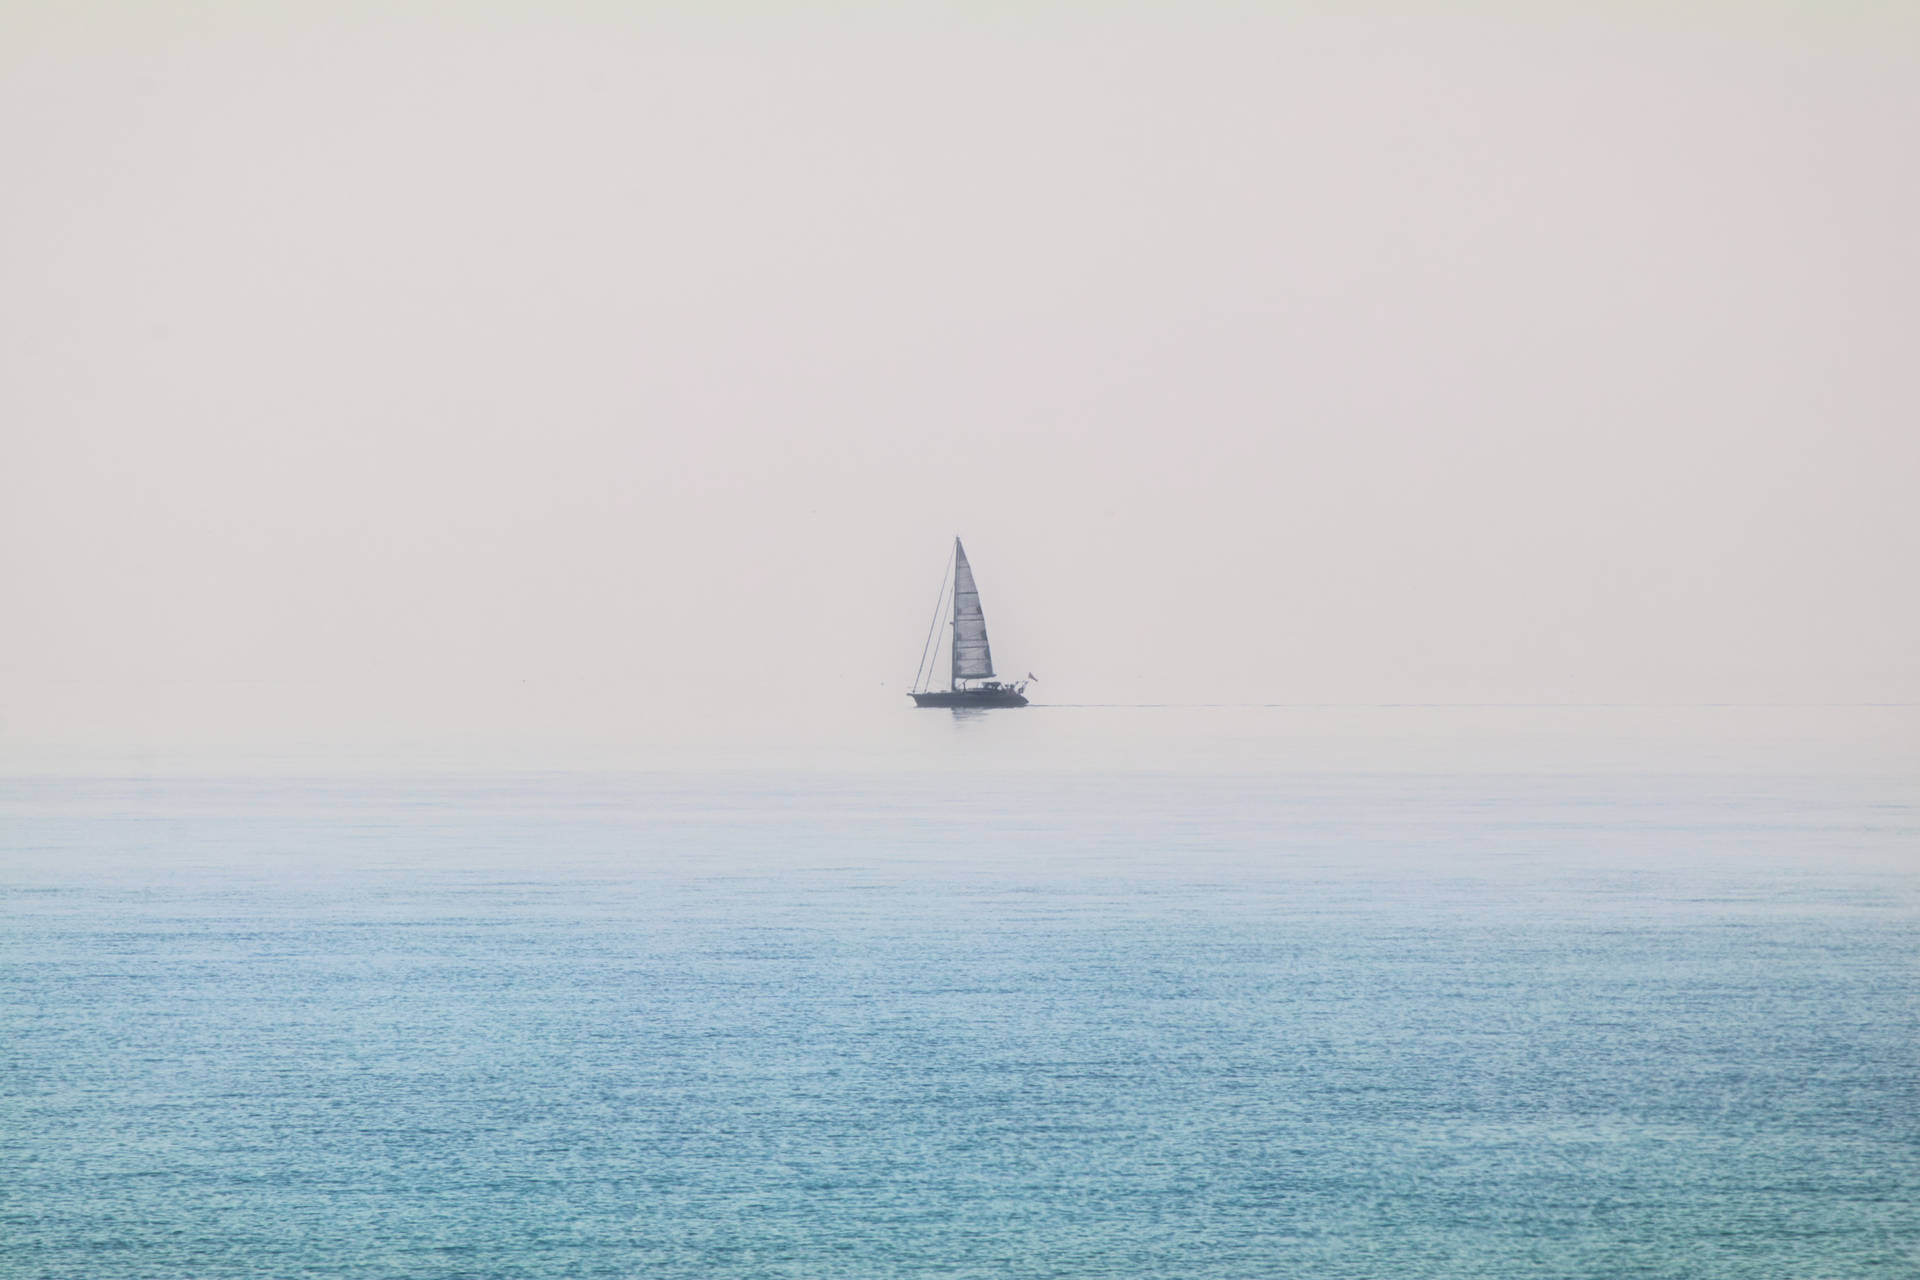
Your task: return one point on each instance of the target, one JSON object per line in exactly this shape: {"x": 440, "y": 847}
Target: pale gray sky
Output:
{"x": 402, "y": 371}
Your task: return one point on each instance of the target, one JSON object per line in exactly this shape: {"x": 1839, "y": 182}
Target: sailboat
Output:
{"x": 972, "y": 683}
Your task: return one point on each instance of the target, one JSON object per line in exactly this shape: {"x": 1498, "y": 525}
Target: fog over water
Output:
{"x": 550, "y": 381}
{"x": 473, "y": 484}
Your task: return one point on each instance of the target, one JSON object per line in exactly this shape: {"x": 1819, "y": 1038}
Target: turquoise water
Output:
{"x": 867, "y": 1025}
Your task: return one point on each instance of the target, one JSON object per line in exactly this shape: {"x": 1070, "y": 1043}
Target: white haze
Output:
{"x": 594, "y": 373}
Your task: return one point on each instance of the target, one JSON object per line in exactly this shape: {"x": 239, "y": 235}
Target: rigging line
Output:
{"x": 934, "y": 625}
{"x": 942, "y": 605}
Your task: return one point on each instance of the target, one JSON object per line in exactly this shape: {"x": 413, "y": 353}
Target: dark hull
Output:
{"x": 969, "y": 698}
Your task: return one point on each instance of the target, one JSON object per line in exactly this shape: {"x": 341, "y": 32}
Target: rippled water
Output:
{"x": 777, "y": 1024}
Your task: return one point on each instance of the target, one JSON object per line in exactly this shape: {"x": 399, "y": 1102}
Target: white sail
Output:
{"x": 972, "y": 659}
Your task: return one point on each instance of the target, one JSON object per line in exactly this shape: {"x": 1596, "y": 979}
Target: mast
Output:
{"x": 972, "y": 658}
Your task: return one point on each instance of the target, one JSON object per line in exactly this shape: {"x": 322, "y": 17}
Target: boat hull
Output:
{"x": 969, "y": 698}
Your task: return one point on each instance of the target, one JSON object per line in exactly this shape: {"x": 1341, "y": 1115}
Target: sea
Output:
{"x": 1064, "y": 992}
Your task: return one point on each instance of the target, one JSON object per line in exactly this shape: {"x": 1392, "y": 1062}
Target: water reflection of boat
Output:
{"x": 972, "y": 683}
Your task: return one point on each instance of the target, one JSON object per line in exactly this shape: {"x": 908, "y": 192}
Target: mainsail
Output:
{"x": 971, "y": 657}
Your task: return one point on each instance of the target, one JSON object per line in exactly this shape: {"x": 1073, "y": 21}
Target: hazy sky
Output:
{"x": 593, "y": 369}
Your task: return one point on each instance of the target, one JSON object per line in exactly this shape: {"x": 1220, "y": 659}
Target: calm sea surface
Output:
{"x": 893, "y": 1023}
